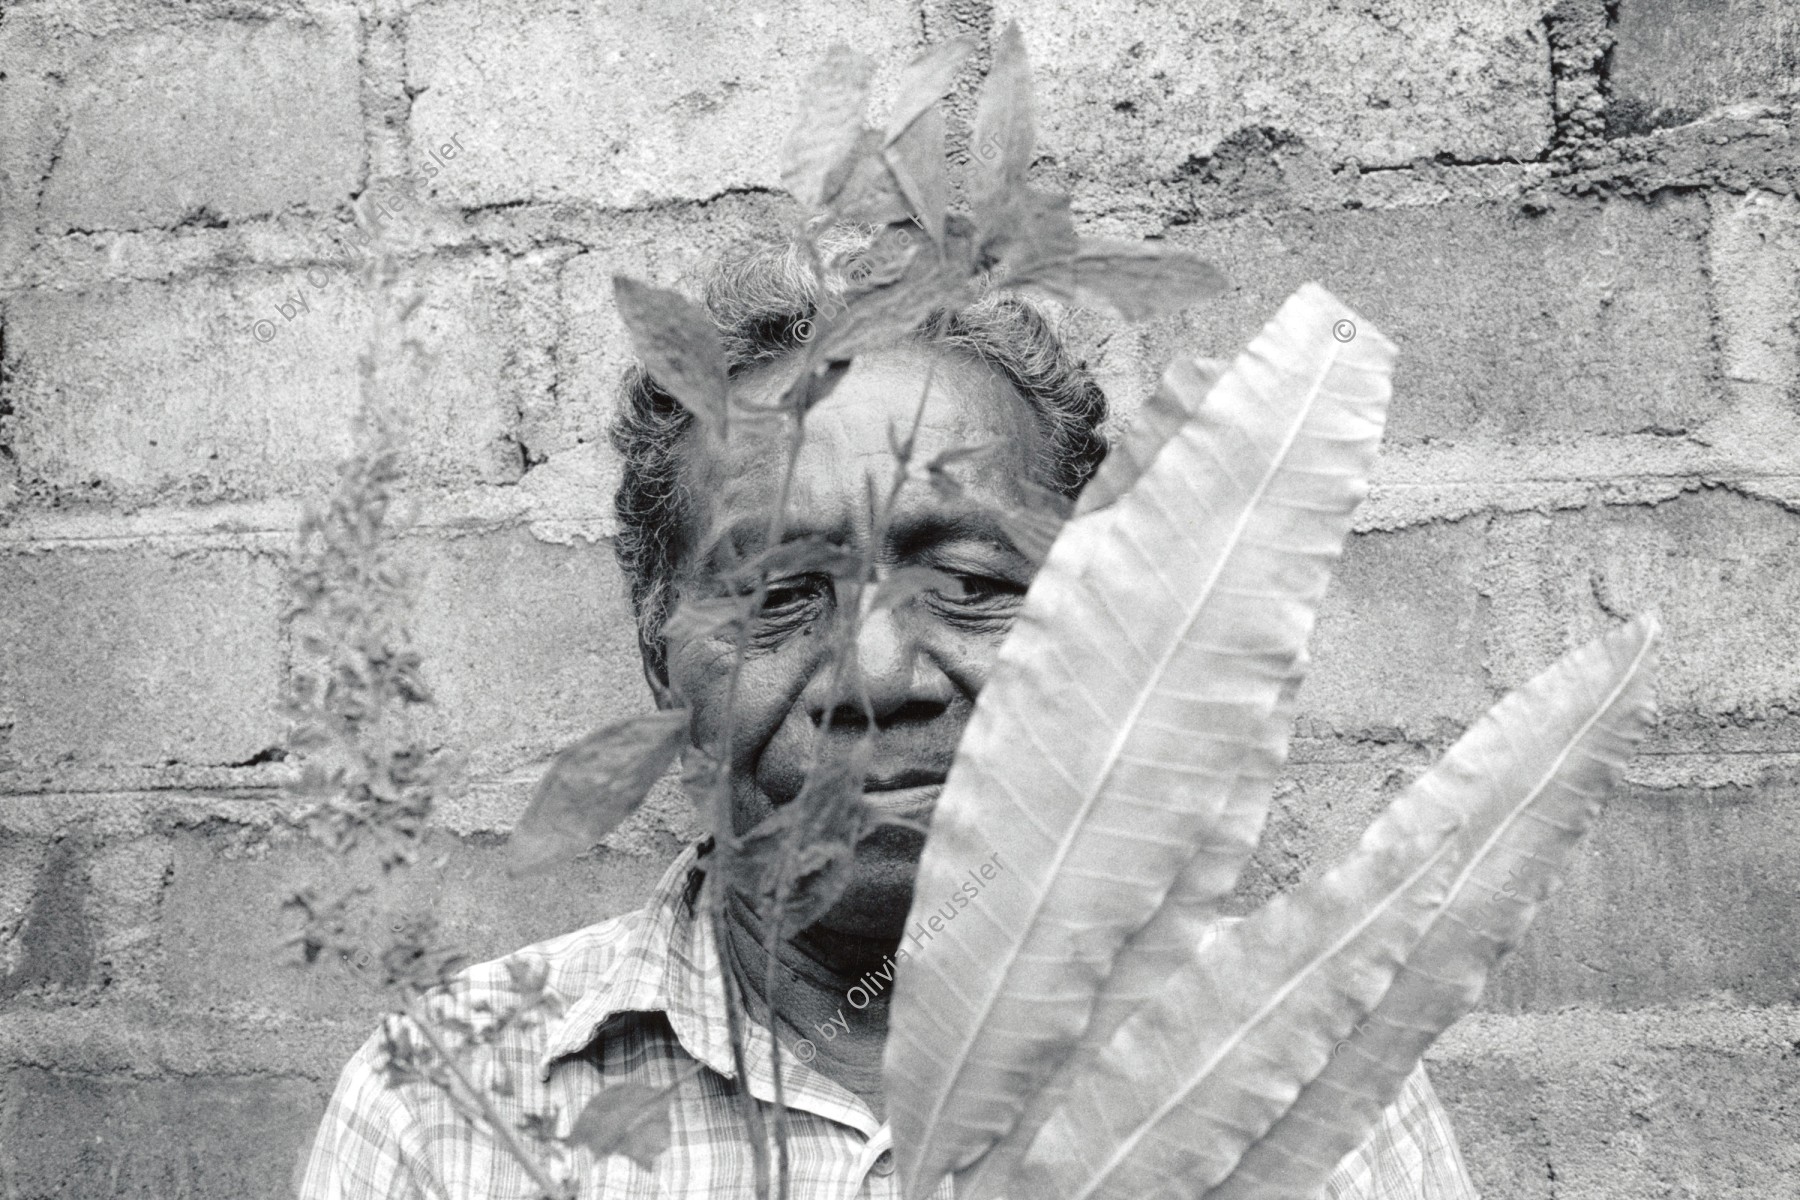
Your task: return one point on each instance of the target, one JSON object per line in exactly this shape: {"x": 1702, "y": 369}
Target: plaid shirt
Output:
{"x": 646, "y": 1002}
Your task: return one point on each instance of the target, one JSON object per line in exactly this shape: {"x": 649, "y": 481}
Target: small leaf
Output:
{"x": 539, "y": 1127}
{"x": 943, "y": 460}
{"x": 926, "y": 80}
{"x": 1179, "y": 396}
{"x": 679, "y": 347}
{"x": 500, "y": 1078}
{"x": 801, "y": 857}
{"x": 817, "y": 157}
{"x": 1005, "y": 128}
{"x": 889, "y": 314}
{"x": 528, "y": 974}
{"x": 886, "y": 258}
{"x": 1137, "y": 280}
{"x": 626, "y": 1118}
{"x": 715, "y": 616}
{"x": 917, "y": 161}
{"x": 813, "y": 387}
{"x": 808, "y": 876}
{"x": 1032, "y": 526}
{"x": 593, "y": 785}
{"x": 1031, "y": 226}
{"x": 870, "y": 194}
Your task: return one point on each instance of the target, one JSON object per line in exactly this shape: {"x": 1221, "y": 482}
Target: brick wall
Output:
{"x": 1580, "y": 223}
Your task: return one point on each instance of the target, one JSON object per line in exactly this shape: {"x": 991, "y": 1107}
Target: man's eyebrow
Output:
{"x": 745, "y": 536}
{"x": 913, "y": 534}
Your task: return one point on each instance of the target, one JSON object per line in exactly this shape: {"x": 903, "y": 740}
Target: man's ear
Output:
{"x": 653, "y": 652}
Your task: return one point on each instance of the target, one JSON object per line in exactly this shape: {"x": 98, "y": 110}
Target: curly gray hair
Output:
{"x": 762, "y": 305}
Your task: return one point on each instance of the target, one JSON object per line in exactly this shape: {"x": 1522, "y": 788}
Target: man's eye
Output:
{"x": 785, "y": 596}
{"x": 961, "y": 588}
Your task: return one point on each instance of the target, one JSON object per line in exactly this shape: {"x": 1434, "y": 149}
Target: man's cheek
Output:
{"x": 766, "y": 696}
{"x": 700, "y": 676}
{"x": 965, "y": 656}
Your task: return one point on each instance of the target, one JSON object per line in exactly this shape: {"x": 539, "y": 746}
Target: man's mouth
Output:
{"x": 911, "y": 794}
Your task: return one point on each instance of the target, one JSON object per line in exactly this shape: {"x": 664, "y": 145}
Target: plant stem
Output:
{"x": 509, "y": 1140}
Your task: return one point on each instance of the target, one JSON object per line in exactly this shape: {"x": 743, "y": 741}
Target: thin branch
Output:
{"x": 508, "y": 1139}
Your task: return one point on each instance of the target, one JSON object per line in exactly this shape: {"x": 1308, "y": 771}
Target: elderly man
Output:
{"x": 646, "y": 993}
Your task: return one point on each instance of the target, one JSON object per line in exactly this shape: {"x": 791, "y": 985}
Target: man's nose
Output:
{"x": 884, "y": 677}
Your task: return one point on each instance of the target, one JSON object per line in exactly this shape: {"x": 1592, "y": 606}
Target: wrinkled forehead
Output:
{"x": 847, "y": 461}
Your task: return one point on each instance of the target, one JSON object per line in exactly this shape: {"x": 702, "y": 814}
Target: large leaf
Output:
{"x": 1530, "y": 777}
{"x": 593, "y": 785}
{"x": 679, "y": 346}
{"x": 1185, "y": 383}
{"x": 1155, "y": 643}
{"x": 1195, "y": 1075}
{"x": 817, "y": 157}
{"x": 1169, "y": 941}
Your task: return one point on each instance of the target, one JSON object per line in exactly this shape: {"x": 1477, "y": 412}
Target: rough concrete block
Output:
{"x": 1716, "y": 566}
{"x": 1125, "y": 94}
{"x": 1399, "y": 643}
{"x": 1678, "y": 896}
{"x": 29, "y": 61}
{"x": 78, "y": 913}
{"x": 213, "y": 122}
{"x": 247, "y": 386}
{"x": 1673, "y": 60}
{"x": 625, "y": 106}
{"x": 150, "y": 1139}
{"x": 137, "y": 656}
{"x": 666, "y": 248}
{"x": 1754, "y": 255}
{"x": 1587, "y": 319}
{"x": 223, "y": 926}
{"x": 22, "y": 855}
{"x": 49, "y": 941}
{"x": 528, "y": 645}
{"x": 1694, "y": 1102}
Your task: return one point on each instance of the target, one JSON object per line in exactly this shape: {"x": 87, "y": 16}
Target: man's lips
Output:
{"x": 910, "y": 794}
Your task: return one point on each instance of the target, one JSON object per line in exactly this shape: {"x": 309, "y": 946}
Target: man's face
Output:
{"x": 913, "y": 672}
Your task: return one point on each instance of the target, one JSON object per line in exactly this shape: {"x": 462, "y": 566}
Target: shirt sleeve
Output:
{"x": 1411, "y": 1155}
{"x": 368, "y": 1146}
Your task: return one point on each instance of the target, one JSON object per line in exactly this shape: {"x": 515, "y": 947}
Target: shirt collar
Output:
{"x": 670, "y": 964}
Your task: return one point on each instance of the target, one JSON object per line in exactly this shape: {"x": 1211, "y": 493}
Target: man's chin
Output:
{"x": 878, "y": 899}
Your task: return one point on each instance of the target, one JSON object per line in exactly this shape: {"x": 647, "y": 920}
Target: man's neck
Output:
{"x": 829, "y": 988}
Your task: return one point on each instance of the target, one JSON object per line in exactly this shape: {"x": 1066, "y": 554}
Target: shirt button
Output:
{"x": 884, "y": 1163}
